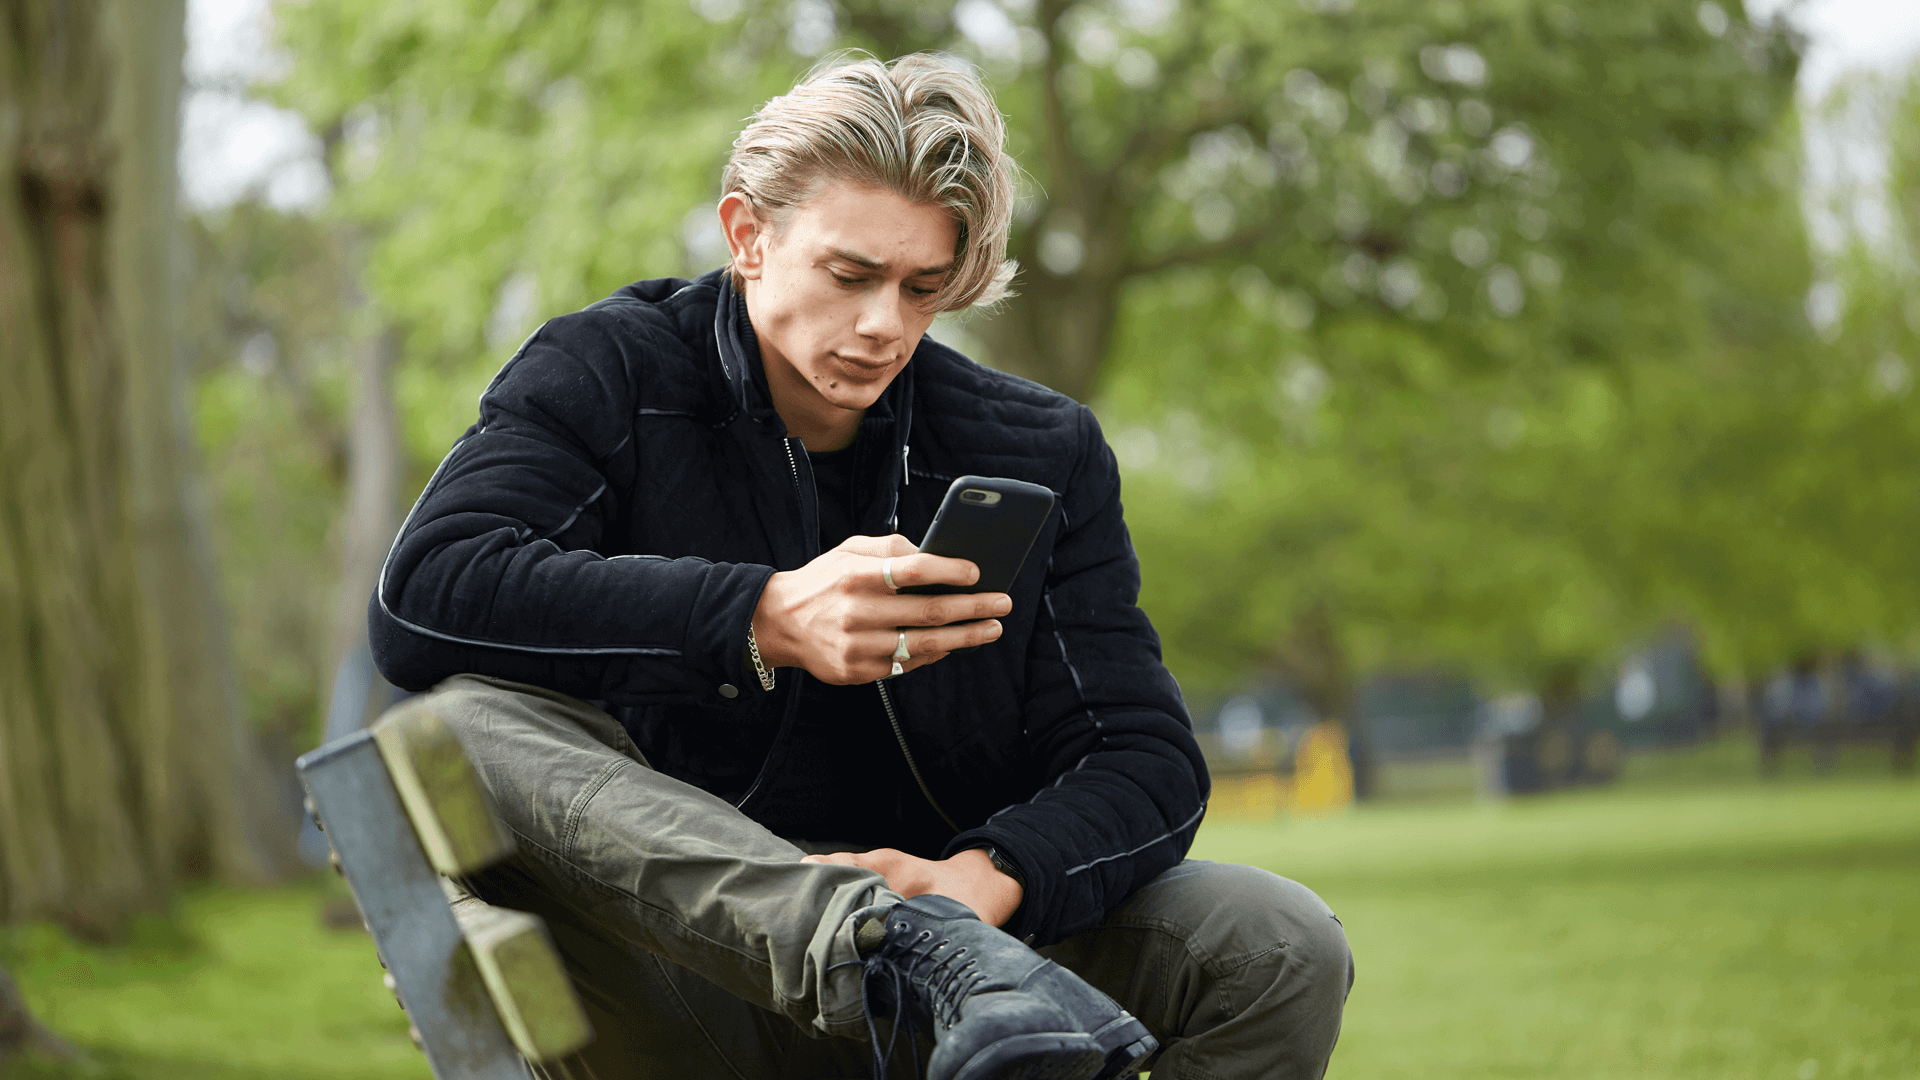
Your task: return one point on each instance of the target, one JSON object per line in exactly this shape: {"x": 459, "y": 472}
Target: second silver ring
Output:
{"x": 900, "y": 650}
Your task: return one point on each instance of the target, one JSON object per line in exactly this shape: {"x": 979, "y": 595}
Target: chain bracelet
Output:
{"x": 759, "y": 667}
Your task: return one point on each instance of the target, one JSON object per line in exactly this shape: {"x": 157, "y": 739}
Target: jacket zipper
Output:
{"x": 886, "y": 699}
{"x": 793, "y": 469}
{"x": 893, "y": 718}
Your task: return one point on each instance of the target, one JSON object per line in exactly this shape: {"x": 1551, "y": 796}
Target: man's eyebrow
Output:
{"x": 875, "y": 264}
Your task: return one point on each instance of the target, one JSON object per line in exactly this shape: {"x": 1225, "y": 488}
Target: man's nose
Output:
{"x": 880, "y": 316}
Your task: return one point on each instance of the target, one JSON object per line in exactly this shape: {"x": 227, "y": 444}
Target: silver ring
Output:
{"x": 897, "y": 669}
{"x": 900, "y": 650}
{"x": 886, "y": 575}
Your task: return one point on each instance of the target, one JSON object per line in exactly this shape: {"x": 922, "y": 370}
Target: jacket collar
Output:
{"x": 740, "y": 356}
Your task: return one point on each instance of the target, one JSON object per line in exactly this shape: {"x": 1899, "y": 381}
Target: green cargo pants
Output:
{"x": 703, "y": 947}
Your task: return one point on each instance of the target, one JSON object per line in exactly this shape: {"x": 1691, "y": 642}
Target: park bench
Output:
{"x": 1830, "y": 704}
{"x": 1898, "y": 729}
{"x": 403, "y": 812}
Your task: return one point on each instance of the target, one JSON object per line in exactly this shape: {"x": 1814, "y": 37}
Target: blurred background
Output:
{"x": 1514, "y": 400}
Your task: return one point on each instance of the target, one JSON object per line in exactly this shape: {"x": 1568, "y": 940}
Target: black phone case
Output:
{"x": 995, "y": 537}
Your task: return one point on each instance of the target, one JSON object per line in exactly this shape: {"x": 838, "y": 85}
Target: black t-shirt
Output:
{"x": 833, "y": 484}
{"x": 844, "y": 739}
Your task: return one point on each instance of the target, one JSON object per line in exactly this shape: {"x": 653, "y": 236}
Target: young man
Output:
{"x": 761, "y": 797}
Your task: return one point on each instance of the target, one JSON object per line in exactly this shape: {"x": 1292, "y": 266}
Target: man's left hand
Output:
{"x": 969, "y": 877}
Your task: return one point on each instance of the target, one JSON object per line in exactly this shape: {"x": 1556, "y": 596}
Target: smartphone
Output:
{"x": 990, "y": 521}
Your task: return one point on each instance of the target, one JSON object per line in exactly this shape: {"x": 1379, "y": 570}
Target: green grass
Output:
{"x": 1693, "y": 922}
{"x": 237, "y": 984}
{"x": 1749, "y": 930}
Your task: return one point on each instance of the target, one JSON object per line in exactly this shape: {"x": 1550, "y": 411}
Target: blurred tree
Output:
{"x": 1425, "y": 332}
{"x": 122, "y": 765}
{"x": 272, "y": 350}
{"x": 516, "y": 160}
{"x": 1857, "y": 422}
{"x": 1458, "y": 397}
{"x": 535, "y": 204}
{"x": 22, "y": 1034}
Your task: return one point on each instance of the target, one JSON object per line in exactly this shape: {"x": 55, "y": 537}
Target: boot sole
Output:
{"x": 1053, "y": 1056}
{"x": 1130, "y": 1046}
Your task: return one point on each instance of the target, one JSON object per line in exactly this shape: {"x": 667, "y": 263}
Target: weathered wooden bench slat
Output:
{"x": 485, "y": 999}
{"x": 443, "y": 797}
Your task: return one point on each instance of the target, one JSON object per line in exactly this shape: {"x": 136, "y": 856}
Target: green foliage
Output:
{"x": 265, "y": 332}
{"x": 544, "y": 154}
{"x": 1480, "y": 326}
{"x": 1476, "y": 433}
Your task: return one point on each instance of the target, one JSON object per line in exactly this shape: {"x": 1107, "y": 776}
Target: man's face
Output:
{"x": 840, "y": 294}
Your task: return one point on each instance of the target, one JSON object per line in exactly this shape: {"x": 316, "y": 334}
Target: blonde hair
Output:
{"x": 924, "y": 127}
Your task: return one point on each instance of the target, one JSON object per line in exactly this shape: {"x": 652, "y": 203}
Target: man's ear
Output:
{"x": 746, "y": 235}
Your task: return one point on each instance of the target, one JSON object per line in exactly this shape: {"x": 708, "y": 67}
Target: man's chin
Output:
{"x": 856, "y": 391}
{"x": 854, "y": 403}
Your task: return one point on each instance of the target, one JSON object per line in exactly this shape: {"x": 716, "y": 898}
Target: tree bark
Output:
{"x": 375, "y": 462}
{"x": 21, "y": 1033}
{"x": 122, "y": 761}
{"x": 1314, "y": 663}
{"x": 370, "y": 517}
{"x": 1058, "y": 329}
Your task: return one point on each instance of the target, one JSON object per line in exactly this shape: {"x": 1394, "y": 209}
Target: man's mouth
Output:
{"x": 871, "y": 366}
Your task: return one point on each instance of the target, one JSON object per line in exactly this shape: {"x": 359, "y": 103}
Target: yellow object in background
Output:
{"x": 1249, "y": 795}
{"x": 1322, "y": 773}
{"x": 1322, "y": 781}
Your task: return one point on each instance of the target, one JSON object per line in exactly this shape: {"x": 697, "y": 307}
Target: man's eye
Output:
{"x": 846, "y": 280}
{"x": 918, "y": 291}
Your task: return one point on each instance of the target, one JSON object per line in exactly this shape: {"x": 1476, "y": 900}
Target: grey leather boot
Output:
{"x": 1000, "y": 1011}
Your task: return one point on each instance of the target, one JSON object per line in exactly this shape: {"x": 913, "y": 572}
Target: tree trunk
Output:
{"x": 375, "y": 460}
{"x": 122, "y": 762}
{"x": 1315, "y": 665}
{"x": 1058, "y": 328}
{"x": 1056, "y": 332}
{"x": 368, "y": 523}
{"x": 21, "y": 1033}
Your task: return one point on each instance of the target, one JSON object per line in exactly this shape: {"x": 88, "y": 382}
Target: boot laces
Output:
{"x": 949, "y": 978}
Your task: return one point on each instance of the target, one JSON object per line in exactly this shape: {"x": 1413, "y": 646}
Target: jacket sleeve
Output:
{"x": 497, "y": 569}
{"x": 1126, "y": 785}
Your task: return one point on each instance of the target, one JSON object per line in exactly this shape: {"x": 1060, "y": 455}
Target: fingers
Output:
{"x": 862, "y": 582}
{"x": 872, "y": 654}
{"x": 909, "y": 566}
{"x": 905, "y": 874}
{"x": 918, "y": 569}
{"x": 924, "y": 642}
{"x": 837, "y": 618}
{"x": 941, "y": 610}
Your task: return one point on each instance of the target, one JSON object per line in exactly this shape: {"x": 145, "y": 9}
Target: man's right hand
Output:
{"x": 836, "y": 617}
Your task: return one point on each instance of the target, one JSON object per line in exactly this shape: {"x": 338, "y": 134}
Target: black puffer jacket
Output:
{"x": 606, "y": 528}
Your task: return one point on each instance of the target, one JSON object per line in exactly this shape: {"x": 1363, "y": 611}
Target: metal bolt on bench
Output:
{"x": 401, "y": 807}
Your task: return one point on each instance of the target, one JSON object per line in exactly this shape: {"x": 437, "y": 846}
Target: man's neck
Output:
{"x": 820, "y": 433}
